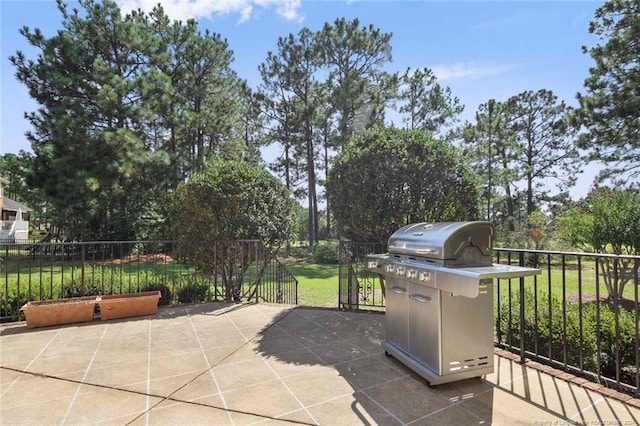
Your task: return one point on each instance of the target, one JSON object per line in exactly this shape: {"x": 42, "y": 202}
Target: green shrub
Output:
{"x": 75, "y": 288}
{"x": 298, "y": 252}
{"x": 166, "y": 297}
{"x": 10, "y": 307}
{"x": 325, "y": 252}
{"x": 570, "y": 339}
{"x": 194, "y": 292}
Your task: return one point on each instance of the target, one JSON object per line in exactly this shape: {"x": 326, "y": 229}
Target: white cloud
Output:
{"x": 186, "y": 9}
{"x": 469, "y": 70}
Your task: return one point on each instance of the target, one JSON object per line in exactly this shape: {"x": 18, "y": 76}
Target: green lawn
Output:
{"x": 317, "y": 284}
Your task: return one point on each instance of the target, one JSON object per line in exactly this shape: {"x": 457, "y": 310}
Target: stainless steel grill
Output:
{"x": 439, "y": 307}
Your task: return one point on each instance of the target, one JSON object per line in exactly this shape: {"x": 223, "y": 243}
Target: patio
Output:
{"x": 247, "y": 364}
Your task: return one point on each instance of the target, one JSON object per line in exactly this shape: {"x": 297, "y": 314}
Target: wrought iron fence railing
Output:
{"x": 580, "y": 314}
{"x": 224, "y": 270}
{"x": 357, "y": 287}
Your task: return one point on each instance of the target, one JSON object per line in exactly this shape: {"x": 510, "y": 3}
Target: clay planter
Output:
{"x": 44, "y": 313}
{"x": 128, "y": 305}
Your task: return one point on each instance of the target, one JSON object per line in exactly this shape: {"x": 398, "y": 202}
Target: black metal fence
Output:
{"x": 580, "y": 314}
{"x": 357, "y": 287}
{"x": 236, "y": 270}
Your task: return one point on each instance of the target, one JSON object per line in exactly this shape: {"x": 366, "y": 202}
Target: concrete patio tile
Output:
{"x": 315, "y": 337}
{"x": 8, "y": 378}
{"x": 117, "y": 376}
{"x": 464, "y": 389}
{"x": 300, "y": 417}
{"x": 20, "y": 391}
{"x": 183, "y": 413}
{"x": 318, "y": 385}
{"x": 35, "y": 413}
{"x": 93, "y": 404}
{"x": 366, "y": 372}
{"x": 257, "y": 320}
{"x": 338, "y": 351}
{"x": 162, "y": 337}
{"x": 229, "y": 354}
{"x": 293, "y": 362}
{"x": 408, "y": 399}
{"x": 273, "y": 310}
{"x": 267, "y": 399}
{"x": 126, "y": 328}
{"x": 79, "y": 331}
{"x": 224, "y": 337}
{"x": 172, "y": 365}
{"x": 56, "y": 366}
{"x": 202, "y": 388}
{"x": 164, "y": 386}
{"x": 177, "y": 346}
{"x": 28, "y": 342}
{"x": 352, "y": 409}
{"x": 499, "y": 407}
{"x": 505, "y": 372}
{"x": 555, "y": 395}
{"x": 276, "y": 344}
{"x": 370, "y": 344}
{"x": 201, "y": 308}
{"x": 70, "y": 347}
{"x": 608, "y": 411}
{"x": 295, "y": 324}
{"x": 114, "y": 354}
{"x": 242, "y": 374}
{"x": 454, "y": 415}
{"x": 10, "y": 354}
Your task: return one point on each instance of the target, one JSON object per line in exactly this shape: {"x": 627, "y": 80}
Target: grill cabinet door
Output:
{"x": 396, "y": 313}
{"x": 424, "y": 325}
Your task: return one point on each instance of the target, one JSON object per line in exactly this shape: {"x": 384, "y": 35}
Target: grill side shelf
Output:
{"x": 462, "y": 281}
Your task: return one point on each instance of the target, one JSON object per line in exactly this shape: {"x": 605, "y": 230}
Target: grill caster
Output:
{"x": 387, "y": 354}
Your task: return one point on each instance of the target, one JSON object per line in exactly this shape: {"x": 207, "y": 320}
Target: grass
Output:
{"x": 317, "y": 284}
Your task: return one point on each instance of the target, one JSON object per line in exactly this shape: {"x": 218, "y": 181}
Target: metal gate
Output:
{"x": 357, "y": 287}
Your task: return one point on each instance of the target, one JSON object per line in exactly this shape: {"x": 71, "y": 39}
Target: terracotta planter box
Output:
{"x": 128, "y": 305}
{"x": 44, "y": 313}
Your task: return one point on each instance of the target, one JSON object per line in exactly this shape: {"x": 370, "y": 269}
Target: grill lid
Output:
{"x": 465, "y": 243}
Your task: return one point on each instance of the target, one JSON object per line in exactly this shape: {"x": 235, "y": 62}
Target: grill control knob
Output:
{"x": 389, "y": 268}
{"x": 400, "y": 270}
{"x": 411, "y": 273}
{"x": 424, "y": 276}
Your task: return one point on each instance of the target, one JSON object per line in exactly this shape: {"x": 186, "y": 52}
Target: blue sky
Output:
{"x": 481, "y": 50}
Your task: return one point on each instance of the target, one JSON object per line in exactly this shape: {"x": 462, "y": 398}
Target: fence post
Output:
{"x": 522, "y": 318}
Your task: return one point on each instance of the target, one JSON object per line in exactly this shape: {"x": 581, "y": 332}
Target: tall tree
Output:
{"x": 121, "y": 99}
{"x": 490, "y": 146}
{"x": 610, "y": 109}
{"x": 290, "y": 75}
{"x": 88, "y": 136}
{"x": 354, "y": 57}
{"x": 545, "y": 144}
{"x": 428, "y": 106}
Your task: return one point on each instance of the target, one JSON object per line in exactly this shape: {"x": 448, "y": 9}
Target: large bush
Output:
{"x": 388, "y": 178}
{"x": 230, "y": 201}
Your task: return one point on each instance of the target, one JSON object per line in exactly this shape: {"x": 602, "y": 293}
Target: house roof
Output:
{"x": 9, "y": 204}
